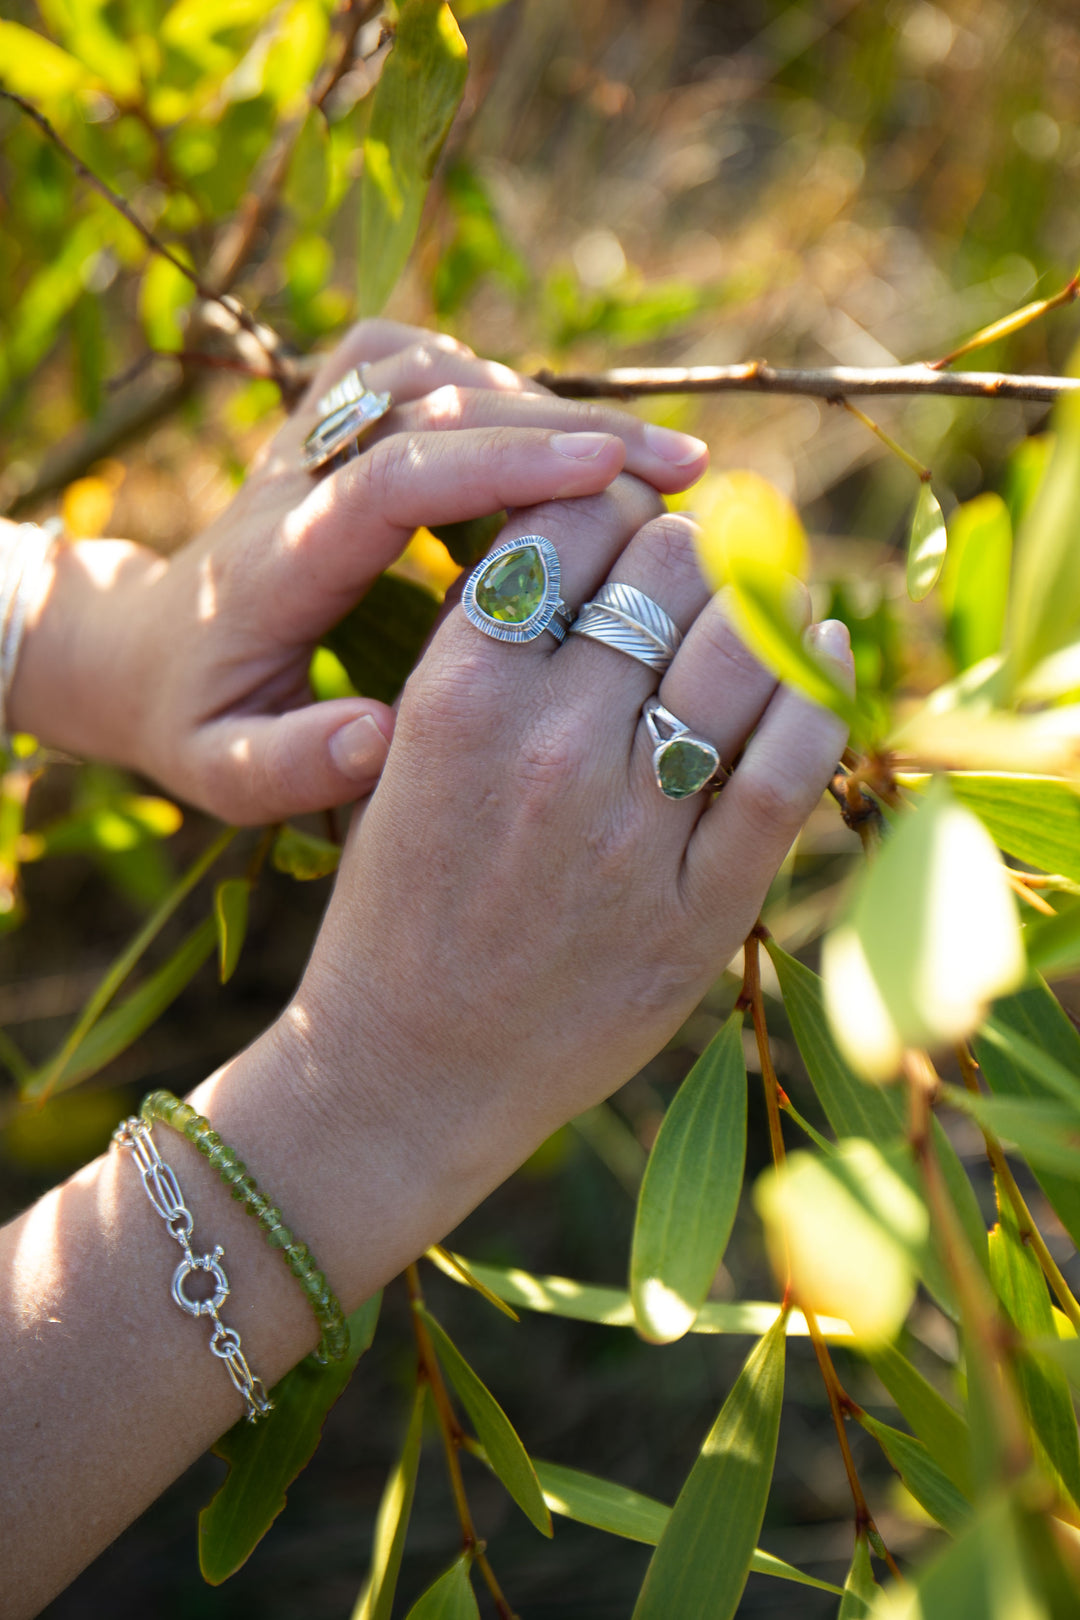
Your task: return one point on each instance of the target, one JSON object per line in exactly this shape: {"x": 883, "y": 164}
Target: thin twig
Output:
{"x": 921, "y": 472}
{"x": 824, "y": 382}
{"x": 1008, "y": 324}
{"x": 750, "y": 996}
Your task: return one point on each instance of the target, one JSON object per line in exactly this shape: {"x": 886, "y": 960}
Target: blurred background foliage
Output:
{"x": 628, "y": 181}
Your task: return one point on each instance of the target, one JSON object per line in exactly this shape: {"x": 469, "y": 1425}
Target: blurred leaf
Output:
{"x": 413, "y": 107}
{"x": 699, "y": 1568}
{"x": 376, "y": 1601}
{"x": 164, "y": 293}
{"x": 767, "y": 604}
{"x": 497, "y": 1434}
{"x": 469, "y": 541}
{"x": 473, "y": 8}
{"x": 926, "y": 544}
{"x": 87, "y": 505}
{"x": 975, "y": 579}
{"x": 123, "y": 823}
{"x": 451, "y": 1597}
{"x": 605, "y": 1505}
{"x": 1044, "y": 610}
{"x": 745, "y": 519}
{"x": 453, "y": 1266}
{"x": 930, "y": 937}
{"x": 1035, "y": 818}
{"x": 1036, "y": 1014}
{"x": 690, "y": 1192}
{"x": 302, "y": 856}
{"x": 860, "y": 1588}
{"x": 847, "y": 1234}
{"x": 327, "y": 676}
{"x": 380, "y": 640}
{"x": 478, "y": 247}
{"x": 938, "y": 1425}
{"x": 1046, "y": 1133}
{"x": 265, "y": 1458}
{"x": 231, "y": 917}
{"x": 307, "y": 184}
{"x": 50, "y": 293}
{"x": 33, "y": 66}
{"x": 1024, "y": 472}
{"x": 1054, "y": 1078}
{"x": 1044, "y": 1390}
{"x": 65, "y": 1133}
{"x": 297, "y": 45}
{"x": 88, "y": 334}
{"x": 1053, "y": 943}
{"x": 921, "y": 1475}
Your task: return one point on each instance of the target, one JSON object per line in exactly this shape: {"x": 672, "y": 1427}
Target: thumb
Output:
{"x": 254, "y": 768}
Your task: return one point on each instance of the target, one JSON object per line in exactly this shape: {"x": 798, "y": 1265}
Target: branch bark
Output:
{"x": 823, "y": 382}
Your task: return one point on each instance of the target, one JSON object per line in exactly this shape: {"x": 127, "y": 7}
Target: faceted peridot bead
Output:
{"x": 280, "y": 1238}
{"x": 512, "y": 587}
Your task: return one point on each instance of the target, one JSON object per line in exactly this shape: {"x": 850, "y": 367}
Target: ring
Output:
{"x": 625, "y": 618}
{"x": 683, "y": 763}
{"x": 347, "y": 412}
{"x": 513, "y": 594}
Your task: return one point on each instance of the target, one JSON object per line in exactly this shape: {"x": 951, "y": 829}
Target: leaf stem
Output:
{"x": 750, "y": 996}
{"x": 1007, "y": 324}
{"x": 921, "y": 472}
{"x": 454, "y": 1439}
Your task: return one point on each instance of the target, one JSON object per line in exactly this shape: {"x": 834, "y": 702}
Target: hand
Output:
{"x": 521, "y": 919}
{"x": 194, "y": 670}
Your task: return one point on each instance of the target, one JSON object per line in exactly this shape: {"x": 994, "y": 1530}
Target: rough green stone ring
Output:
{"x": 683, "y": 764}
{"x": 513, "y": 594}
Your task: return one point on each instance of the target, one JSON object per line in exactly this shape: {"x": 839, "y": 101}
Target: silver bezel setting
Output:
{"x": 343, "y": 427}
{"x": 543, "y": 617}
{"x": 656, "y": 716}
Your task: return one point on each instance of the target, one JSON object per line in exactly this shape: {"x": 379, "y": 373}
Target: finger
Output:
{"x": 354, "y": 523}
{"x": 439, "y": 362}
{"x": 368, "y": 343}
{"x": 260, "y": 768}
{"x": 782, "y": 775}
{"x": 668, "y": 460}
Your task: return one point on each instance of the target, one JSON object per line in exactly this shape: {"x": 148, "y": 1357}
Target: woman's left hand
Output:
{"x": 194, "y": 670}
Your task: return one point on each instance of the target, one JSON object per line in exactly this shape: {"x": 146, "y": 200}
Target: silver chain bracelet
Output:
{"x": 21, "y": 559}
{"x": 163, "y": 1191}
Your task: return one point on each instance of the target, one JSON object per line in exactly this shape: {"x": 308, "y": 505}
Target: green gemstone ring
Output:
{"x": 683, "y": 764}
{"x": 513, "y": 594}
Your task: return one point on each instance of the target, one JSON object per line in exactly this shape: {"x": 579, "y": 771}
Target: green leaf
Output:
{"x": 938, "y": 1425}
{"x": 497, "y": 1434}
{"x": 1047, "y": 1133}
{"x": 1045, "y": 605}
{"x": 605, "y": 1505}
{"x": 690, "y": 1192}
{"x": 975, "y": 579}
{"x": 860, "y": 1588}
{"x": 376, "y": 1600}
{"x": 1053, "y": 943}
{"x": 451, "y": 1597}
{"x": 1035, "y": 818}
{"x": 1044, "y": 1390}
{"x": 33, "y": 66}
{"x": 302, "y": 856}
{"x": 453, "y": 1266}
{"x": 1036, "y": 1014}
{"x": 930, "y": 1487}
{"x": 231, "y": 917}
{"x": 381, "y": 639}
{"x": 473, "y": 8}
{"x": 1054, "y": 1078}
{"x": 265, "y": 1457}
{"x": 413, "y": 107}
{"x": 765, "y": 598}
{"x": 165, "y": 292}
{"x": 126, "y": 821}
{"x": 699, "y": 1568}
{"x": 927, "y": 542}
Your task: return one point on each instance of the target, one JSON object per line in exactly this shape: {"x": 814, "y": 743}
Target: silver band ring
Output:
{"x": 513, "y": 594}
{"x": 682, "y": 762}
{"x": 634, "y": 608}
{"x": 348, "y": 411}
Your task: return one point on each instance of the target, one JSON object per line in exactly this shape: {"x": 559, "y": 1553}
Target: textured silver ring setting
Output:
{"x": 682, "y": 762}
{"x": 346, "y": 413}
{"x": 513, "y": 594}
{"x": 625, "y": 618}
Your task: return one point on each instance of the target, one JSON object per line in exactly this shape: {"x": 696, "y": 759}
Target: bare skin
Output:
{"x": 520, "y": 921}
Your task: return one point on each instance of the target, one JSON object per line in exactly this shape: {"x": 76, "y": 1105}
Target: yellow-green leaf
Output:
{"x": 1044, "y": 612}
{"x": 928, "y": 1484}
{"x": 926, "y": 544}
{"x": 33, "y": 66}
{"x": 303, "y": 856}
{"x": 766, "y": 601}
{"x": 265, "y": 1457}
{"x": 414, "y": 105}
{"x": 1047, "y": 1133}
{"x": 1035, "y": 818}
{"x": 975, "y": 579}
{"x": 231, "y": 917}
{"x": 453, "y": 1266}
{"x": 860, "y": 1588}
{"x": 450, "y": 1598}
{"x": 164, "y": 293}
{"x": 743, "y": 518}
{"x": 1053, "y": 943}
{"x": 376, "y": 1600}
{"x": 699, "y": 1568}
{"x": 690, "y": 1191}
{"x": 380, "y": 640}
{"x": 497, "y": 1434}
{"x": 938, "y": 1425}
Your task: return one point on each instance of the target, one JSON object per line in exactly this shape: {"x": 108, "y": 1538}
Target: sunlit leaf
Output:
{"x": 931, "y": 937}
{"x": 766, "y": 603}
{"x": 450, "y": 1598}
{"x": 926, "y": 544}
{"x": 1053, "y": 943}
{"x": 123, "y": 823}
{"x": 33, "y": 66}
{"x": 690, "y": 1192}
{"x": 376, "y": 1601}
{"x": 307, "y": 186}
{"x": 860, "y": 1588}
{"x": 975, "y": 579}
{"x": 1035, "y": 818}
{"x": 265, "y": 1458}
{"x": 699, "y": 1568}
{"x": 928, "y": 1484}
{"x": 164, "y": 293}
{"x": 455, "y": 1267}
{"x": 848, "y": 1233}
{"x": 303, "y": 856}
{"x": 1047, "y": 1133}
{"x": 497, "y": 1434}
{"x": 380, "y": 640}
{"x": 413, "y": 107}
{"x": 743, "y": 518}
{"x": 1044, "y": 609}
{"x": 938, "y": 1425}
{"x": 231, "y": 916}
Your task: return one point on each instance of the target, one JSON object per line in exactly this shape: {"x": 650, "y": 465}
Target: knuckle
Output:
{"x": 454, "y": 697}
{"x": 723, "y": 642}
{"x": 770, "y": 802}
{"x": 668, "y": 544}
{"x": 551, "y": 757}
{"x": 382, "y": 469}
{"x": 445, "y": 407}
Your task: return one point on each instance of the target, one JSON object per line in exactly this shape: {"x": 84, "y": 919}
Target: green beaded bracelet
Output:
{"x": 169, "y": 1110}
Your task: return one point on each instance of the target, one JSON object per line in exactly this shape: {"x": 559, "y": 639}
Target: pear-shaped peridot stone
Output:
{"x": 684, "y": 765}
{"x": 512, "y": 587}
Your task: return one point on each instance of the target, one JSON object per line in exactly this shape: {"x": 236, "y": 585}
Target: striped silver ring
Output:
{"x": 626, "y": 619}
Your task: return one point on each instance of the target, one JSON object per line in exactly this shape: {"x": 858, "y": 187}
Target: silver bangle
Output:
{"x": 21, "y": 560}
{"x": 163, "y": 1191}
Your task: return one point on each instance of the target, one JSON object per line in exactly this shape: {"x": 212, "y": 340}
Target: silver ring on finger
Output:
{"x": 340, "y": 429}
{"x": 683, "y": 763}
{"x": 513, "y": 594}
{"x": 625, "y": 618}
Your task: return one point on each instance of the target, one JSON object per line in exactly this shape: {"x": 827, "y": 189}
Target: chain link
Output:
{"x": 163, "y": 1190}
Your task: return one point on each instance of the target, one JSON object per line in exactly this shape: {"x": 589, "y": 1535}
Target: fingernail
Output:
{"x": 359, "y": 749}
{"x": 831, "y": 637}
{"x": 580, "y": 446}
{"x": 679, "y": 448}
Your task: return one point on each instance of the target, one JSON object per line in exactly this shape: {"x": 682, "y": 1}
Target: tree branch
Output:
{"x": 825, "y": 382}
